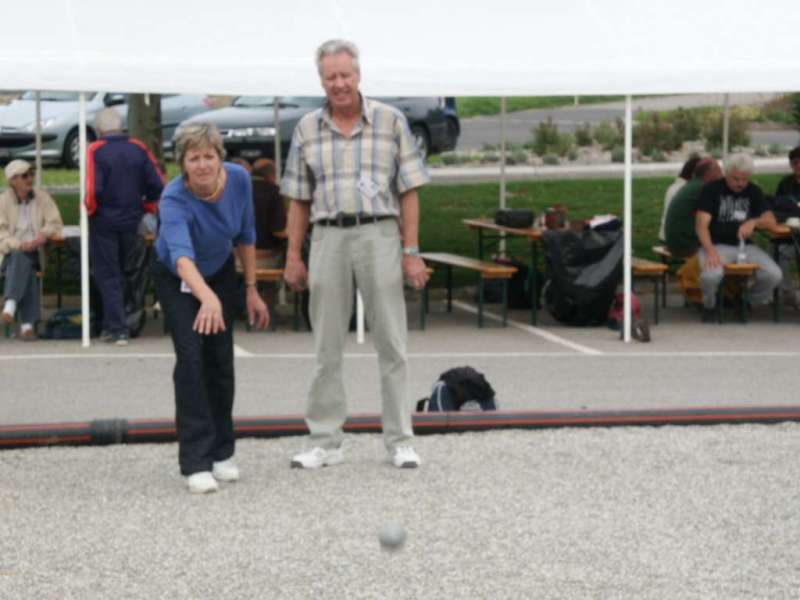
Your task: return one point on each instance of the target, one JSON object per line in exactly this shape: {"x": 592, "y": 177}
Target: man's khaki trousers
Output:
{"x": 371, "y": 253}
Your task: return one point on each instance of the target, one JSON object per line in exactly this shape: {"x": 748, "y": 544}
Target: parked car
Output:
{"x": 60, "y": 114}
{"x": 248, "y": 125}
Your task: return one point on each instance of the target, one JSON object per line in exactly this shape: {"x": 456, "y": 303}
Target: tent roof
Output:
{"x": 505, "y": 47}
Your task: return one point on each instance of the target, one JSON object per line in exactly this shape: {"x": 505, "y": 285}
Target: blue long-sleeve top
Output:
{"x": 202, "y": 231}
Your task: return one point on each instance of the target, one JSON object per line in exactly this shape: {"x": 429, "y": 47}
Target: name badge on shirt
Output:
{"x": 185, "y": 288}
{"x": 367, "y": 187}
{"x": 740, "y": 215}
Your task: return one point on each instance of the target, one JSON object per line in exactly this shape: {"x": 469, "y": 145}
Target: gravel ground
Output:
{"x": 673, "y": 512}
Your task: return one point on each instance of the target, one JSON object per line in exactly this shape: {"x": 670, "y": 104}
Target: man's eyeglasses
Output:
{"x": 28, "y": 175}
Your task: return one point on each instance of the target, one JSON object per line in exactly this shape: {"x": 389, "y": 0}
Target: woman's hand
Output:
{"x": 209, "y": 318}
{"x": 257, "y": 311}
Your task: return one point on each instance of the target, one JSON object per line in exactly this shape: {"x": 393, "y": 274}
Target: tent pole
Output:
{"x": 503, "y": 135}
{"x": 276, "y": 119}
{"x": 627, "y": 220}
{"x": 726, "y": 126}
{"x": 38, "y": 131}
{"x": 84, "y": 224}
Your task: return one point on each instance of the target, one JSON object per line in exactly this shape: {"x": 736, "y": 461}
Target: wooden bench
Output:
{"x": 485, "y": 270}
{"x": 648, "y": 269}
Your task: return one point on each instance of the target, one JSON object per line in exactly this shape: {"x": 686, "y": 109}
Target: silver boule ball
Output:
{"x": 392, "y": 536}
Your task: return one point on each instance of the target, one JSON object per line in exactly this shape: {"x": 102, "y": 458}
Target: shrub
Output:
{"x": 550, "y": 159}
{"x": 547, "y": 140}
{"x": 450, "y": 158}
{"x": 686, "y": 126}
{"x": 583, "y": 135}
{"x": 653, "y": 133}
{"x": 486, "y": 147}
{"x": 737, "y": 134}
{"x": 776, "y": 149}
{"x": 795, "y": 99}
{"x": 517, "y": 157}
{"x": 545, "y": 137}
{"x": 618, "y": 154}
{"x": 489, "y": 157}
{"x": 572, "y": 154}
{"x": 607, "y": 135}
{"x": 716, "y": 152}
{"x": 659, "y": 156}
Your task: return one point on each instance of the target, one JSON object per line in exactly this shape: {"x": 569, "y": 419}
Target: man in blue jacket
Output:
{"x": 123, "y": 182}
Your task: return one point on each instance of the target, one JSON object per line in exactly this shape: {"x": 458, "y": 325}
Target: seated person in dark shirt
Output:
{"x": 789, "y": 188}
{"x": 680, "y": 235}
{"x": 728, "y": 211}
{"x": 270, "y": 212}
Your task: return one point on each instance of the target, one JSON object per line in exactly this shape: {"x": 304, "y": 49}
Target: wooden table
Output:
{"x": 488, "y": 230}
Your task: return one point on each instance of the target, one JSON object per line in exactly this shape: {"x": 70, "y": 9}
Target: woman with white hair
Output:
{"x": 205, "y": 213}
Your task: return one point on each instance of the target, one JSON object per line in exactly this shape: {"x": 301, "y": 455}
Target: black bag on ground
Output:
{"x": 583, "y": 270}
{"x": 65, "y": 324}
{"x": 518, "y": 218}
{"x": 459, "y": 387}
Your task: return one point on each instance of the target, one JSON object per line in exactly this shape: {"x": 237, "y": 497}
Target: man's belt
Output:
{"x": 352, "y": 220}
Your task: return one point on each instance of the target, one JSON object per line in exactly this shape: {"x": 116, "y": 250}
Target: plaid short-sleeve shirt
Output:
{"x": 363, "y": 174}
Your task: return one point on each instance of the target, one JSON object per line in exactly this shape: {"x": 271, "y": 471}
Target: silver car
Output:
{"x": 60, "y": 121}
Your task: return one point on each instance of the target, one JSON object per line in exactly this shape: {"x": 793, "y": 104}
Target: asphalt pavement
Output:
{"x": 477, "y": 131}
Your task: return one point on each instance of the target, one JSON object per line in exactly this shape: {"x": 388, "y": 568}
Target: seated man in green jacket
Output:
{"x": 679, "y": 226}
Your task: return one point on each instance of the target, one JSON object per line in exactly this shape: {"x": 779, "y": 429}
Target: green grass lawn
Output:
{"x": 472, "y": 106}
{"x": 444, "y": 206}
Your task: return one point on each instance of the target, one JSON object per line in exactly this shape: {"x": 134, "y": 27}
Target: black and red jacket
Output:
{"x": 123, "y": 181}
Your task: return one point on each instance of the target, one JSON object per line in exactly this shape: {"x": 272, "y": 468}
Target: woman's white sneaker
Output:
{"x": 225, "y": 470}
{"x": 202, "y": 483}
{"x": 317, "y": 457}
{"x": 404, "y": 457}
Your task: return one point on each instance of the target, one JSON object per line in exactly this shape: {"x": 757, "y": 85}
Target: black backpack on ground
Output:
{"x": 457, "y": 387}
{"x": 583, "y": 270}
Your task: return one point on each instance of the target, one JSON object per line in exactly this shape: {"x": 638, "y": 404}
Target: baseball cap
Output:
{"x": 17, "y": 167}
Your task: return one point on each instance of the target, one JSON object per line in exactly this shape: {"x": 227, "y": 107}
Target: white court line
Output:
{"x": 240, "y": 352}
{"x": 546, "y": 335}
{"x": 417, "y": 355}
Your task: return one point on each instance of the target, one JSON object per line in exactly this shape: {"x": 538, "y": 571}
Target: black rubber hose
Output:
{"x": 122, "y": 431}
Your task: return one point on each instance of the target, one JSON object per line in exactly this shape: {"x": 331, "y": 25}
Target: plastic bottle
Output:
{"x": 741, "y": 257}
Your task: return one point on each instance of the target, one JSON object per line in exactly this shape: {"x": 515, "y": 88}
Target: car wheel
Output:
{"x": 421, "y": 140}
{"x": 72, "y": 147}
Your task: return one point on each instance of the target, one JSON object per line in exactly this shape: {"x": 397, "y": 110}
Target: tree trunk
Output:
{"x": 144, "y": 123}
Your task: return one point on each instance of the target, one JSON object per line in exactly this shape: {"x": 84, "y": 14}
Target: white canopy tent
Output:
{"x": 414, "y": 48}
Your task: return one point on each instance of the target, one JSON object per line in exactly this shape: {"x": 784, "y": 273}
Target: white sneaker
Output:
{"x": 202, "y": 483}
{"x": 404, "y": 457}
{"x": 317, "y": 457}
{"x": 225, "y": 470}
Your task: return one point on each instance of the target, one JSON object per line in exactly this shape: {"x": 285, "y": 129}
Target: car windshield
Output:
{"x": 284, "y": 101}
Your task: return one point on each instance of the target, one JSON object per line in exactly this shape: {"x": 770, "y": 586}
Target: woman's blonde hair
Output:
{"x": 198, "y": 135}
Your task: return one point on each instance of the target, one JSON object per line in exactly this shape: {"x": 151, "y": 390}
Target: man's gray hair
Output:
{"x": 332, "y": 47}
{"x": 198, "y": 135}
{"x": 739, "y": 162}
{"x": 107, "y": 120}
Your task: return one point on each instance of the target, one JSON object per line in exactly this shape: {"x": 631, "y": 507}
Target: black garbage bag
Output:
{"x": 583, "y": 270}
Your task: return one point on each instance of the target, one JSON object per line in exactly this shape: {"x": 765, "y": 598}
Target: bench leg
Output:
{"x": 505, "y": 302}
{"x": 534, "y": 280}
{"x": 480, "y": 302}
{"x": 296, "y": 310}
{"x": 656, "y": 284}
{"x": 664, "y": 290}
{"x": 449, "y": 289}
{"x": 745, "y": 297}
{"x": 720, "y": 296}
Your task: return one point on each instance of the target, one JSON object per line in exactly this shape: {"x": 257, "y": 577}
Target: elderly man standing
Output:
{"x": 123, "y": 181}
{"x": 27, "y": 219}
{"x": 353, "y": 171}
{"x": 728, "y": 211}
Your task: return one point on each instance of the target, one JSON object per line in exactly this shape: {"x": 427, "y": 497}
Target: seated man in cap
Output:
{"x": 27, "y": 219}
